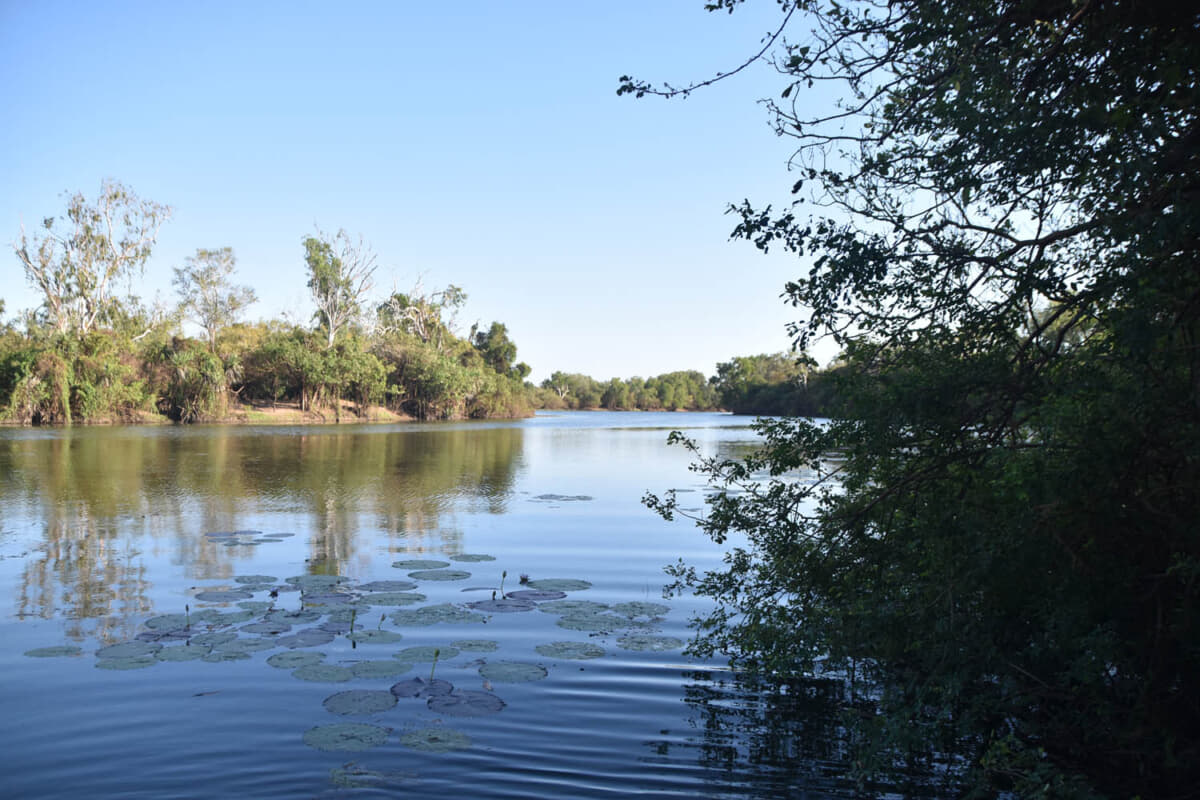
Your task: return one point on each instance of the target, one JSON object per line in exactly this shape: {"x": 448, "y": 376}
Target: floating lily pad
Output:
{"x": 476, "y": 645}
{"x": 572, "y": 650}
{"x": 440, "y": 575}
{"x": 326, "y": 598}
{"x": 593, "y": 623}
{"x": 57, "y": 651}
{"x": 359, "y": 701}
{"x": 373, "y": 636}
{"x": 129, "y": 650}
{"x": 465, "y": 703}
{"x": 559, "y": 585}
{"x": 171, "y": 622}
{"x": 315, "y": 583}
{"x": 471, "y": 557}
{"x": 294, "y": 660}
{"x": 387, "y": 586}
{"x": 128, "y": 662}
{"x": 232, "y": 617}
{"x": 504, "y": 605}
{"x": 268, "y": 628}
{"x": 416, "y": 655}
{"x": 255, "y": 579}
{"x": 182, "y": 652}
{"x": 380, "y": 669}
{"x": 301, "y": 617}
{"x": 512, "y": 672}
{"x": 335, "y": 626}
{"x": 222, "y": 596}
{"x": 535, "y": 595}
{"x": 309, "y": 637}
{"x": 255, "y": 606}
{"x": 432, "y": 615}
{"x": 641, "y": 609}
{"x": 656, "y": 644}
{"x": 394, "y": 598}
{"x": 279, "y": 535}
{"x": 436, "y": 740}
{"x": 247, "y": 645}
{"x": 420, "y": 563}
{"x": 572, "y": 607}
{"x": 162, "y": 636}
{"x": 415, "y": 687}
{"x": 217, "y": 656}
{"x": 563, "y": 498}
{"x": 345, "y": 736}
{"x": 323, "y": 673}
{"x": 213, "y": 638}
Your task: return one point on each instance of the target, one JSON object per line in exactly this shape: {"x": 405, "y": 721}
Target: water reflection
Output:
{"x": 100, "y": 496}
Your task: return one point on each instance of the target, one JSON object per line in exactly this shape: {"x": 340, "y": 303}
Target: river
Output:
{"x": 418, "y": 610}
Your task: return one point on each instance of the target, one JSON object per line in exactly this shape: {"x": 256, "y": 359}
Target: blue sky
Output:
{"x": 474, "y": 143}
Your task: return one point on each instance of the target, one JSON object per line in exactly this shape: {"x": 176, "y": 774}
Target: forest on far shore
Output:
{"x": 89, "y": 353}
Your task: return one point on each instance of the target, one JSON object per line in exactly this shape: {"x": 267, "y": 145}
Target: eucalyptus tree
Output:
{"x": 206, "y": 294}
{"x": 76, "y": 261}
{"x": 341, "y": 272}
{"x": 1003, "y": 233}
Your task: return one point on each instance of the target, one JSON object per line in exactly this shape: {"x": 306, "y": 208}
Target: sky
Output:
{"x": 475, "y": 143}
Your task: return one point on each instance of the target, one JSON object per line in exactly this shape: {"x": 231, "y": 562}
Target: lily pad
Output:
{"x": 436, "y": 740}
{"x": 171, "y": 622}
{"x": 256, "y": 606}
{"x": 253, "y": 645}
{"x": 562, "y": 498}
{"x": 128, "y": 662}
{"x": 380, "y": 669}
{"x": 512, "y": 672}
{"x": 573, "y": 607}
{"x": 345, "y": 736}
{"x": 471, "y": 557}
{"x": 416, "y": 655}
{"x": 420, "y": 563}
{"x": 326, "y": 598}
{"x": 312, "y": 583}
{"x": 359, "y": 701}
{"x": 476, "y": 645}
{"x": 373, "y": 636}
{"x": 213, "y": 638}
{"x": 571, "y": 650}
{"x": 300, "y": 617}
{"x": 432, "y": 615}
{"x": 415, "y": 687}
{"x": 504, "y": 605}
{"x": 656, "y": 644}
{"x": 641, "y": 609}
{"x": 593, "y": 623}
{"x": 309, "y": 637}
{"x": 535, "y": 595}
{"x": 440, "y": 575}
{"x": 323, "y": 673}
{"x": 56, "y": 651}
{"x": 394, "y": 598}
{"x": 129, "y": 650}
{"x": 387, "y": 586}
{"x": 465, "y": 703}
{"x": 268, "y": 628}
{"x": 294, "y": 660}
{"x": 217, "y": 656}
{"x": 559, "y": 585}
{"x": 182, "y": 652}
{"x": 222, "y": 596}
{"x": 255, "y": 579}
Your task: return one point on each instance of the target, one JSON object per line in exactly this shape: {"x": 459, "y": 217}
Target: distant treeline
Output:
{"x": 777, "y": 384}
{"x": 90, "y": 354}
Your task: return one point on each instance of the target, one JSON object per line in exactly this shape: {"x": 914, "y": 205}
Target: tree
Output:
{"x": 499, "y": 352}
{"x": 76, "y": 260}
{"x": 1001, "y": 557}
{"x": 340, "y": 276}
{"x": 205, "y": 294}
{"x": 429, "y": 317}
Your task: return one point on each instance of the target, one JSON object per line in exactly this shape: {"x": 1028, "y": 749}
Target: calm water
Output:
{"x": 103, "y": 530}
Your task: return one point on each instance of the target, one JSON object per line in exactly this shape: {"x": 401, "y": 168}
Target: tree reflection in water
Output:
{"x": 764, "y": 739}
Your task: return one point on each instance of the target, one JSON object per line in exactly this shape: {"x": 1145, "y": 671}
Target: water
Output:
{"x": 103, "y": 529}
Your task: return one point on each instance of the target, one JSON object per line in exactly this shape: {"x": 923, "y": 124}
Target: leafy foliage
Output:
{"x": 996, "y": 542}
